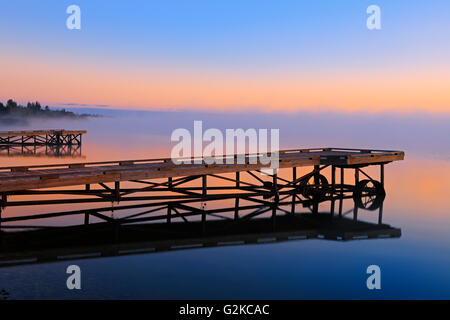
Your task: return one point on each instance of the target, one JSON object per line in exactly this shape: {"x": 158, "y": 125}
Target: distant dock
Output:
{"x": 57, "y": 137}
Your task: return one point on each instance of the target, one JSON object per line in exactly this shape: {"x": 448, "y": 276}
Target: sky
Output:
{"x": 231, "y": 55}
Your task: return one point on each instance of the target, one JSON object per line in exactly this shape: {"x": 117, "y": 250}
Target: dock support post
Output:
{"x": 169, "y": 182}
{"x": 355, "y": 209}
{"x": 355, "y": 213}
{"x": 274, "y": 215}
{"x": 333, "y": 188}
{"x": 341, "y": 200}
{"x": 236, "y": 201}
{"x": 275, "y": 200}
{"x": 1, "y": 232}
{"x": 88, "y": 187}
{"x": 2, "y": 205}
{"x": 275, "y": 188}
{"x": 203, "y": 221}
{"x": 204, "y": 185}
{"x": 117, "y": 190}
{"x": 86, "y": 218}
{"x": 380, "y": 214}
{"x": 316, "y": 185}
{"x": 203, "y": 211}
{"x": 169, "y": 213}
{"x": 294, "y": 177}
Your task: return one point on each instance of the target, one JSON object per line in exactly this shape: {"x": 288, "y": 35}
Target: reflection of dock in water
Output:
{"x": 183, "y": 202}
{"x": 39, "y": 150}
{"x": 106, "y": 240}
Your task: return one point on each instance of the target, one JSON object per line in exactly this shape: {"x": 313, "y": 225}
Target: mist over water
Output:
{"x": 417, "y": 193}
{"x": 421, "y": 135}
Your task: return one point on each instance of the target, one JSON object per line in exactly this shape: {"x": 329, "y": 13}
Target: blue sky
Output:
{"x": 212, "y": 32}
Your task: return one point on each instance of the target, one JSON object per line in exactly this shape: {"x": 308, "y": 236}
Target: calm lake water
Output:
{"x": 412, "y": 266}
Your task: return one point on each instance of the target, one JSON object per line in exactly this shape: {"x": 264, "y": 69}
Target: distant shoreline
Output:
{"x": 11, "y": 111}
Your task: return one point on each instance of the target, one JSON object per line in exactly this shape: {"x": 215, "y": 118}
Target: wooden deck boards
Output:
{"x": 56, "y": 175}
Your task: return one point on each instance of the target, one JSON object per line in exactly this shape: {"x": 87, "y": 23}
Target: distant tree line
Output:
{"x": 32, "y": 109}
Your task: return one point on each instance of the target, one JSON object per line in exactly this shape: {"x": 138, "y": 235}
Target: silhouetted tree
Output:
{"x": 11, "y": 105}
{"x": 34, "y": 107}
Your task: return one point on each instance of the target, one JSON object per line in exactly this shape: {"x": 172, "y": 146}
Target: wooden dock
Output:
{"x": 42, "y": 137}
{"x": 18, "y": 178}
{"x": 160, "y": 191}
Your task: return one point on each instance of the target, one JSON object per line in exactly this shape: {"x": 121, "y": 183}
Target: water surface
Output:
{"x": 413, "y": 266}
